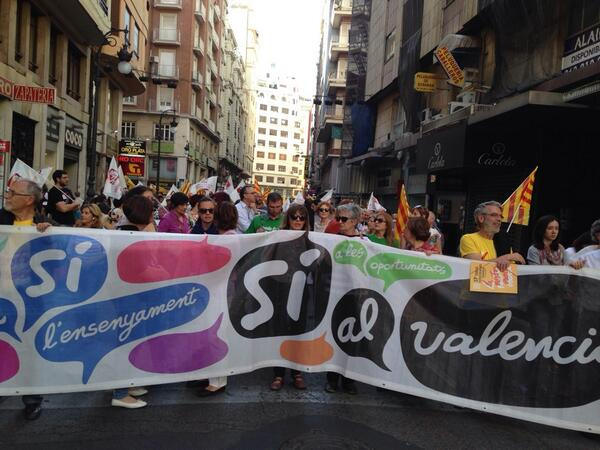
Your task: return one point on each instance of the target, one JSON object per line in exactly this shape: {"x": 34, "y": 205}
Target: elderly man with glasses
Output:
{"x": 480, "y": 245}
{"x": 20, "y": 203}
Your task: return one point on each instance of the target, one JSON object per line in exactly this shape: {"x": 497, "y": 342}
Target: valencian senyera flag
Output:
{"x": 516, "y": 207}
{"x": 402, "y": 213}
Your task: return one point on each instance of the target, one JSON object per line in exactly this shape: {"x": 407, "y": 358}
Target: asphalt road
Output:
{"x": 250, "y": 416}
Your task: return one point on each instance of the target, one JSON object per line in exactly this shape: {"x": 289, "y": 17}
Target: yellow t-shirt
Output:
{"x": 23, "y": 223}
{"x": 476, "y": 243}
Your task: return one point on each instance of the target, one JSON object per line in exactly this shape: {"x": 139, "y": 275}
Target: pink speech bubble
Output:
{"x": 10, "y": 361}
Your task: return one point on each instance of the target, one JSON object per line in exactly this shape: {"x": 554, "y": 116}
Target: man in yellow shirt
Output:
{"x": 480, "y": 245}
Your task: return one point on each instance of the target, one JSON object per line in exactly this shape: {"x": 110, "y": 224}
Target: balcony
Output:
{"x": 165, "y": 72}
{"x": 337, "y": 48}
{"x": 341, "y": 9}
{"x": 169, "y": 36}
{"x": 215, "y": 37}
{"x": 200, "y": 11}
{"x": 217, "y": 12}
{"x": 197, "y": 80}
{"x": 212, "y": 96}
{"x": 199, "y": 46}
{"x": 213, "y": 68}
{"x": 156, "y": 107}
{"x": 168, "y": 4}
{"x": 336, "y": 81}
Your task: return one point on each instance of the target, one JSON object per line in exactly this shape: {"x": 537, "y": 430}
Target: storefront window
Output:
{"x": 73, "y": 72}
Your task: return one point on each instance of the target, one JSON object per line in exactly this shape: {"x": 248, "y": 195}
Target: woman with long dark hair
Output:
{"x": 546, "y": 250}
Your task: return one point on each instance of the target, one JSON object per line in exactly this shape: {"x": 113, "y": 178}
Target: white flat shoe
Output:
{"x": 122, "y": 404}
{"x": 137, "y": 391}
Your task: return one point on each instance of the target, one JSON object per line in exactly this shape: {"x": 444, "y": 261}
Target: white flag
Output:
{"x": 122, "y": 180}
{"x": 231, "y": 191}
{"x": 112, "y": 185}
{"x": 327, "y": 197}
{"x": 22, "y": 170}
{"x": 374, "y": 204}
{"x": 194, "y": 188}
{"x": 299, "y": 200}
{"x": 286, "y": 205}
{"x": 206, "y": 184}
{"x": 139, "y": 183}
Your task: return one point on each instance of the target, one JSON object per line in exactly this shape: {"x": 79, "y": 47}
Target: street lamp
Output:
{"x": 173, "y": 124}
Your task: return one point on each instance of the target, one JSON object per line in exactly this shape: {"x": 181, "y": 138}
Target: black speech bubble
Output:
{"x": 277, "y": 287}
{"x": 552, "y": 305}
{"x": 350, "y": 306}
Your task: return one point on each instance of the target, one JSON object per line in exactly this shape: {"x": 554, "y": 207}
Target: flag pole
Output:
{"x": 514, "y": 216}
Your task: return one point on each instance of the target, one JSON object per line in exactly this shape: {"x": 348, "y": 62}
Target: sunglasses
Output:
{"x": 298, "y": 218}
{"x": 324, "y": 210}
{"x": 206, "y": 210}
{"x": 378, "y": 220}
{"x": 342, "y": 219}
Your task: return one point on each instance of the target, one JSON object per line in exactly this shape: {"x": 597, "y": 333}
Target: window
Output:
{"x": 275, "y": 108}
{"x": 283, "y": 133}
{"x": 165, "y": 133}
{"x": 269, "y": 179}
{"x": 132, "y": 100}
{"x": 258, "y": 177}
{"x": 127, "y": 130}
{"x": 273, "y": 97}
{"x": 73, "y": 72}
{"x": 283, "y": 145}
{"x": 166, "y": 97}
{"x": 33, "y": 38}
{"x": 297, "y": 124}
{"x": 284, "y": 122}
{"x": 296, "y": 135}
{"x": 272, "y": 144}
{"x": 293, "y": 181}
{"x": 295, "y": 158}
{"x": 263, "y": 107}
{"x": 285, "y": 111}
{"x": 272, "y": 156}
{"x": 300, "y": 173}
{"x": 271, "y": 167}
{"x": 53, "y": 51}
{"x": 390, "y": 45}
{"x": 296, "y": 147}
{"x": 261, "y": 142}
{"x": 262, "y": 131}
{"x": 280, "y": 180}
{"x": 260, "y": 154}
{"x": 167, "y": 66}
{"x": 272, "y": 132}
{"x": 136, "y": 40}
{"x": 281, "y": 169}
{"x": 18, "y": 32}
{"x": 260, "y": 166}
{"x": 273, "y": 120}
{"x": 294, "y": 170}
{"x": 282, "y": 157}
{"x": 283, "y": 99}
{"x": 262, "y": 119}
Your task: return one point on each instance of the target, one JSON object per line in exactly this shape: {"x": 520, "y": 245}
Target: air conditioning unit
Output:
{"x": 457, "y": 106}
{"x": 466, "y": 97}
{"x": 154, "y": 59}
{"x": 426, "y": 115}
{"x": 471, "y": 74}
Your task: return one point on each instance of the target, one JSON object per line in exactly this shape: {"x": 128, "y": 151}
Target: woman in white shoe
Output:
{"x": 139, "y": 211}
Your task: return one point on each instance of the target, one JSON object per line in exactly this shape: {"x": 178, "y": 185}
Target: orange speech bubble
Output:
{"x": 310, "y": 353}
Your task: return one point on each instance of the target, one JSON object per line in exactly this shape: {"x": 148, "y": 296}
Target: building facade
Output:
{"x": 283, "y": 121}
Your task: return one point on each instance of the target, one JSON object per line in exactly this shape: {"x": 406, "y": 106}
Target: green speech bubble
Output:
{"x": 351, "y": 252}
{"x": 391, "y": 267}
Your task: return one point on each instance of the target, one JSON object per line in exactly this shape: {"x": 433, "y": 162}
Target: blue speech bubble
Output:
{"x": 87, "y": 333}
{"x": 57, "y": 270}
{"x": 8, "y": 318}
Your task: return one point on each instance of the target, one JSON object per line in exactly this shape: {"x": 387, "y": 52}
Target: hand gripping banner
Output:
{"x": 84, "y": 310}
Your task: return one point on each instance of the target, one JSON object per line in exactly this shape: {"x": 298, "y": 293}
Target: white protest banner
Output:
{"x": 327, "y": 197}
{"x": 108, "y": 309}
{"x": 22, "y": 170}
{"x": 230, "y": 190}
{"x": 374, "y": 204}
{"x": 112, "y": 186}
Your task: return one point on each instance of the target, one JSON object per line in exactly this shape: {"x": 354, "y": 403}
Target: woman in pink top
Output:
{"x": 176, "y": 221}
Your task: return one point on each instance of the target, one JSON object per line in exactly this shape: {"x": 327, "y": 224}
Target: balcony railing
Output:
{"x": 166, "y": 36}
{"x": 337, "y": 48}
{"x": 341, "y": 9}
{"x": 167, "y": 4}
{"x": 200, "y": 11}
{"x": 213, "y": 67}
{"x": 218, "y": 12}
{"x": 199, "y": 45}
{"x": 154, "y": 106}
{"x": 215, "y": 37}
{"x": 212, "y": 97}
{"x": 197, "y": 79}
{"x": 163, "y": 71}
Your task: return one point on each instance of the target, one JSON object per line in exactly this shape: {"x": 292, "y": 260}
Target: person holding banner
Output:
{"x": 546, "y": 250}
{"x": 383, "y": 230}
{"x": 61, "y": 201}
{"x": 246, "y": 208}
{"x": 588, "y": 249}
{"x": 206, "y": 217}
{"x": 417, "y": 234}
{"x": 480, "y": 246}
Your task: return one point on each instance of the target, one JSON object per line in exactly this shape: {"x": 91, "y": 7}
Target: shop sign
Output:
{"x": 132, "y": 147}
{"x": 496, "y": 157}
{"x": 4, "y": 146}
{"x": 132, "y": 165}
{"x": 581, "y": 50}
{"x": 33, "y": 94}
{"x": 52, "y": 129}
{"x": 6, "y": 88}
{"x": 450, "y": 66}
{"x": 436, "y": 161}
{"x": 73, "y": 138}
{"x": 442, "y": 149}
{"x": 425, "y": 82}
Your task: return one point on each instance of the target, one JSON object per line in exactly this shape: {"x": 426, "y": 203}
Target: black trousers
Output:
{"x": 333, "y": 379}
{"x": 280, "y": 372}
{"x": 32, "y": 399}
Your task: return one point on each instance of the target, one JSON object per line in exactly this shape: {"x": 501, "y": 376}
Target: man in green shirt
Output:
{"x": 271, "y": 221}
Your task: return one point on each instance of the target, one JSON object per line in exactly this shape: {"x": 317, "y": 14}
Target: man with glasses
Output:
{"x": 206, "y": 217}
{"x": 61, "y": 201}
{"x": 20, "y": 203}
{"x": 480, "y": 245}
{"x": 246, "y": 208}
{"x": 270, "y": 221}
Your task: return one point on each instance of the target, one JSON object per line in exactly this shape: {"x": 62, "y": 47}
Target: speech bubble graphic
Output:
{"x": 57, "y": 270}
{"x": 10, "y": 361}
{"x": 8, "y": 318}
{"x": 391, "y": 267}
{"x": 351, "y": 252}
{"x": 362, "y": 323}
{"x": 538, "y": 348}
{"x": 3, "y": 241}
{"x": 87, "y": 333}
{"x": 150, "y": 261}
{"x": 180, "y": 352}
{"x": 311, "y": 353}
{"x": 280, "y": 289}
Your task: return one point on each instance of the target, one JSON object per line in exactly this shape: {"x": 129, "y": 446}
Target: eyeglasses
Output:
{"x": 494, "y": 215}
{"x": 379, "y": 220}
{"x": 324, "y": 210}
{"x": 342, "y": 219}
{"x": 10, "y": 192}
{"x": 206, "y": 210}
{"x": 298, "y": 218}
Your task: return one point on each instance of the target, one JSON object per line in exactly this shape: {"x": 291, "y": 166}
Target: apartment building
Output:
{"x": 283, "y": 121}
{"x": 183, "y": 86}
{"x": 51, "y": 49}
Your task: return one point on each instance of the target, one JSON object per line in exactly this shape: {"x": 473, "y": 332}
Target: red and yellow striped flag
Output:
{"x": 402, "y": 213}
{"x": 516, "y": 207}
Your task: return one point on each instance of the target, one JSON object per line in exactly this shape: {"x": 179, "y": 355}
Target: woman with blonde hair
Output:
{"x": 383, "y": 229}
{"x": 324, "y": 216}
{"x": 91, "y": 217}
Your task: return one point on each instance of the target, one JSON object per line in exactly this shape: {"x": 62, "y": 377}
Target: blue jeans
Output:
{"x": 120, "y": 394}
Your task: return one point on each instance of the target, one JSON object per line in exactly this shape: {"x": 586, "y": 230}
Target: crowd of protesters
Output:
{"x": 140, "y": 209}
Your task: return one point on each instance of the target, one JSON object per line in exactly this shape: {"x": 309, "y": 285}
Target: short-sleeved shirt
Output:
{"x": 265, "y": 222}
{"x": 55, "y": 196}
{"x": 476, "y": 243}
{"x": 382, "y": 241}
{"x": 173, "y": 223}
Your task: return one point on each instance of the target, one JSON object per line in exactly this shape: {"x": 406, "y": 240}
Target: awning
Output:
{"x": 130, "y": 84}
{"x": 588, "y": 94}
{"x": 458, "y": 41}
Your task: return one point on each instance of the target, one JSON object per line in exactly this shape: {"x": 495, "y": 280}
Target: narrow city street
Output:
{"x": 250, "y": 416}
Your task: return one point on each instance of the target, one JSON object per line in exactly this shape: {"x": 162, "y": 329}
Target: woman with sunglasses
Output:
{"x": 383, "y": 230}
{"x": 324, "y": 216}
{"x": 206, "y": 217}
{"x": 295, "y": 219}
